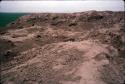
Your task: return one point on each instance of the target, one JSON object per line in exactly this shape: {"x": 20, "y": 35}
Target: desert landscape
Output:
{"x": 64, "y": 48}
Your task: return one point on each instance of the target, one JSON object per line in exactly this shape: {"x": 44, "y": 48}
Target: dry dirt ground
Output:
{"x": 76, "y": 48}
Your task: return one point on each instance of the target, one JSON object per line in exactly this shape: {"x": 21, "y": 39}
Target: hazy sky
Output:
{"x": 61, "y": 6}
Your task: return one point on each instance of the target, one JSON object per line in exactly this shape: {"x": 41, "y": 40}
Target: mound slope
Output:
{"x": 77, "y": 48}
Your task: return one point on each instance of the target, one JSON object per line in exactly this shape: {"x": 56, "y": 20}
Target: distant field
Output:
{"x": 6, "y": 18}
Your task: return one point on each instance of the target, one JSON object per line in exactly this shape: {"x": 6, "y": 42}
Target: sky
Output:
{"x": 61, "y": 6}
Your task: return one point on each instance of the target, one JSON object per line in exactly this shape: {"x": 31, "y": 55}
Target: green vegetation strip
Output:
{"x": 6, "y": 18}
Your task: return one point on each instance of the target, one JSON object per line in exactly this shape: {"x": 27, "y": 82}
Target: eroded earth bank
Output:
{"x": 76, "y": 48}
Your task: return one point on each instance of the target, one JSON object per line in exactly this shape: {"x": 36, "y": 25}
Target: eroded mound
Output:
{"x": 78, "y": 48}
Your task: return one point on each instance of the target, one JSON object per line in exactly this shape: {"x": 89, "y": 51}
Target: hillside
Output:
{"x": 64, "y": 48}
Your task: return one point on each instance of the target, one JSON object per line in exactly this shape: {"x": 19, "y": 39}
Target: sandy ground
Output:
{"x": 78, "y": 48}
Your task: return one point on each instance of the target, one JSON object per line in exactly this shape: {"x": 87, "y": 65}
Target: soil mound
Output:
{"x": 76, "y": 48}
